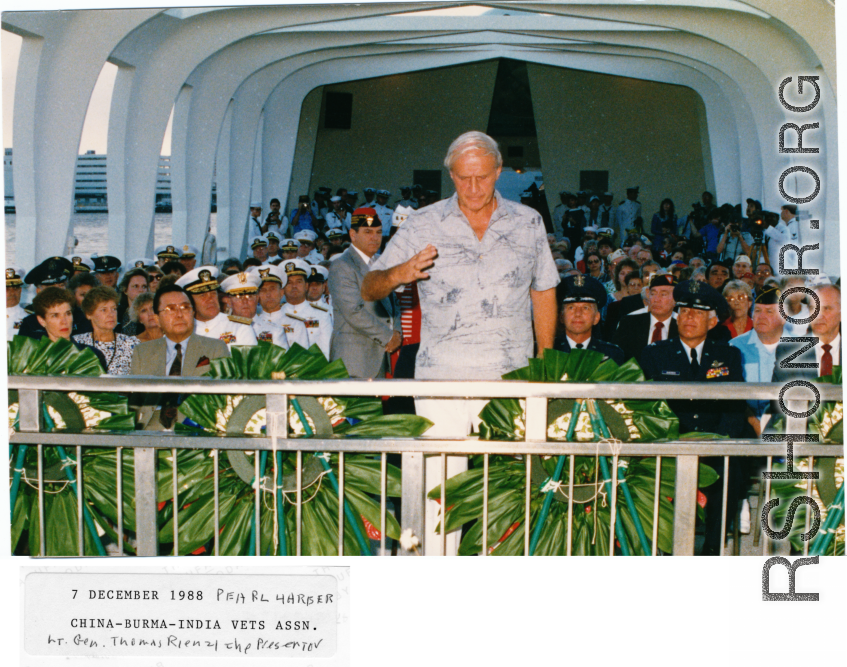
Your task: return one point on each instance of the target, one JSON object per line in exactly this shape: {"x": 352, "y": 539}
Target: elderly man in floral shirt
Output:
{"x": 486, "y": 280}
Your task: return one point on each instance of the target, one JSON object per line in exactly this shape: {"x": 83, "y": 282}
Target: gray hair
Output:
{"x": 472, "y": 141}
{"x": 737, "y": 286}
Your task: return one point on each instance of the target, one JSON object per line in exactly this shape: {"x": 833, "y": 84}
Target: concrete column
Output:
{"x": 180, "y": 168}
{"x": 53, "y": 86}
{"x": 116, "y": 170}
{"x": 304, "y": 151}
{"x": 222, "y": 178}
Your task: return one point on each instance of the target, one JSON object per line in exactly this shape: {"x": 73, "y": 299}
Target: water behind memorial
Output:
{"x": 92, "y": 232}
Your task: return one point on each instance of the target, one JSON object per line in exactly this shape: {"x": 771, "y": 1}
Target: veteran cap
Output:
{"x": 200, "y": 280}
{"x": 242, "y": 283}
{"x": 769, "y": 295}
{"x": 364, "y": 217}
{"x": 663, "y": 280}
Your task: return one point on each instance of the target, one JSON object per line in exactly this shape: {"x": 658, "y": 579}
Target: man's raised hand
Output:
{"x": 414, "y": 269}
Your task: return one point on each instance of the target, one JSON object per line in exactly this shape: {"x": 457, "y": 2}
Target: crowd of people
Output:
{"x": 467, "y": 287}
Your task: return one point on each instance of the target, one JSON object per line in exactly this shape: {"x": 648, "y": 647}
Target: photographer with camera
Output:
{"x": 710, "y": 234}
{"x": 301, "y": 217}
{"x": 737, "y": 239}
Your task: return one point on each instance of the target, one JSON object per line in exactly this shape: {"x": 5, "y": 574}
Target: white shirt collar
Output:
{"x": 365, "y": 258}
{"x": 699, "y": 349}
{"x": 573, "y": 343}
{"x": 665, "y": 328}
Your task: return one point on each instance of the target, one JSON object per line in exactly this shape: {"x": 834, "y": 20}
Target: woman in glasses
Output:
{"x": 739, "y": 296}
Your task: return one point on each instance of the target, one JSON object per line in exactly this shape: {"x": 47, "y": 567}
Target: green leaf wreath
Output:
{"x": 326, "y": 416}
{"x": 620, "y": 420}
{"x": 827, "y": 490}
{"x": 70, "y": 412}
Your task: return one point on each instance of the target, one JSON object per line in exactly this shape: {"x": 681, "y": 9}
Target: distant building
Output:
{"x": 90, "y": 190}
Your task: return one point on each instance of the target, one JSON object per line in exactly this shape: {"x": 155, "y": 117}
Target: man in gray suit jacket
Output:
{"x": 364, "y": 332}
{"x": 180, "y": 352}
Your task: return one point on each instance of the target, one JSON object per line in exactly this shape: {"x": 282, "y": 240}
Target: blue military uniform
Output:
{"x": 585, "y": 289}
{"x": 668, "y": 361}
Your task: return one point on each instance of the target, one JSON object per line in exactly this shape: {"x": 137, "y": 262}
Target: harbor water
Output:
{"x": 92, "y": 233}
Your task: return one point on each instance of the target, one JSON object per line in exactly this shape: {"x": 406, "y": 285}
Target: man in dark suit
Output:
{"x": 827, "y": 352}
{"x": 825, "y": 355}
{"x": 180, "y": 352}
{"x": 583, "y": 297}
{"x": 364, "y": 332}
{"x": 692, "y": 357}
{"x": 637, "y": 330}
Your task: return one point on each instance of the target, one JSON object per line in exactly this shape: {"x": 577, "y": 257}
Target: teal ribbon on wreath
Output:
{"x": 578, "y": 407}
{"x": 630, "y": 503}
{"x": 364, "y": 547}
{"x": 834, "y": 517}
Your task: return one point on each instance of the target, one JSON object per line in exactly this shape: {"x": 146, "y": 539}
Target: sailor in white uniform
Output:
{"x": 254, "y": 221}
{"x": 608, "y": 211}
{"x": 628, "y": 210}
{"x": 316, "y": 293}
{"x": 15, "y": 312}
{"x": 270, "y": 313}
{"x": 384, "y": 212}
{"x": 338, "y": 217}
{"x": 406, "y": 198}
{"x": 188, "y": 256}
{"x": 296, "y": 308}
{"x": 209, "y": 321}
{"x": 242, "y": 297}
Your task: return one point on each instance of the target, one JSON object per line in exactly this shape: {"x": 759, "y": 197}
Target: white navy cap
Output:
{"x": 306, "y": 235}
{"x": 200, "y": 280}
{"x": 260, "y": 241}
{"x": 296, "y": 267}
{"x": 242, "y": 283}
{"x": 269, "y": 273}
{"x": 188, "y": 251}
{"x": 400, "y": 214}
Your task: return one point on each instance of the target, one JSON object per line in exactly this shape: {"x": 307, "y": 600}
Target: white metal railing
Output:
{"x": 413, "y": 450}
